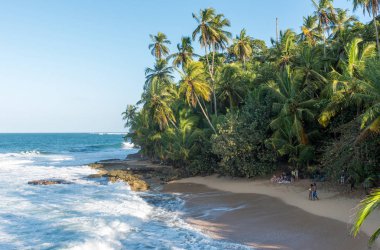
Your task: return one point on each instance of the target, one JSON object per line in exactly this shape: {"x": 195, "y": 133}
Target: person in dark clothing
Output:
{"x": 314, "y": 191}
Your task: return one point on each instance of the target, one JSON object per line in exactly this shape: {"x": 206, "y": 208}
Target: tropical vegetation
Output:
{"x": 309, "y": 100}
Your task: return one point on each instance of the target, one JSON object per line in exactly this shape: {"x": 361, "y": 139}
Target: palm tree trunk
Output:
{"x": 204, "y": 113}
{"x": 324, "y": 49}
{"x": 172, "y": 122}
{"x": 212, "y": 80}
{"x": 377, "y": 33}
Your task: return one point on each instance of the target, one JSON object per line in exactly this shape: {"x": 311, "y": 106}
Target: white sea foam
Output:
{"x": 88, "y": 214}
{"x": 128, "y": 145}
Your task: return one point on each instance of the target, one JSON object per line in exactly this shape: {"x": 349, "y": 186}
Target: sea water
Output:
{"x": 89, "y": 213}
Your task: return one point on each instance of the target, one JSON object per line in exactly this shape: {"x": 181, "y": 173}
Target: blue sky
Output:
{"x": 73, "y": 65}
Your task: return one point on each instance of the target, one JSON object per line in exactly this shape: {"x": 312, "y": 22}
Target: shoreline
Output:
{"x": 333, "y": 209}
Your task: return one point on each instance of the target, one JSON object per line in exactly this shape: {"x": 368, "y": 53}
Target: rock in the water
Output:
{"x": 95, "y": 165}
{"x": 48, "y": 182}
{"x": 136, "y": 183}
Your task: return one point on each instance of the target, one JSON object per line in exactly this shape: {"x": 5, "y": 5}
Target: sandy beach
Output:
{"x": 271, "y": 216}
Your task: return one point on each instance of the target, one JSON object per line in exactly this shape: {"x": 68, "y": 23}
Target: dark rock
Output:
{"x": 48, "y": 182}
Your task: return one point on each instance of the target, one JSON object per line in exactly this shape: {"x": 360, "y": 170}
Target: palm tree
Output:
{"x": 371, "y": 117}
{"x": 161, "y": 73}
{"x": 158, "y": 47}
{"x": 342, "y": 21}
{"x": 284, "y": 50}
{"x": 285, "y": 142}
{"x": 293, "y": 102}
{"x": 129, "y": 115}
{"x": 325, "y": 13}
{"x": 195, "y": 87}
{"x": 347, "y": 87}
{"x": 212, "y": 36}
{"x": 242, "y": 46}
{"x": 309, "y": 30}
{"x": 365, "y": 208}
{"x": 231, "y": 87}
{"x": 309, "y": 64}
{"x": 372, "y": 7}
{"x": 159, "y": 106}
{"x": 183, "y": 139}
{"x": 185, "y": 53}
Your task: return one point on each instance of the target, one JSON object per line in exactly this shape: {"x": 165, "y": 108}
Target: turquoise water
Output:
{"x": 89, "y": 213}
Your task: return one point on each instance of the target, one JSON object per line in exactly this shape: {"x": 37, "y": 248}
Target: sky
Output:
{"x": 74, "y": 65}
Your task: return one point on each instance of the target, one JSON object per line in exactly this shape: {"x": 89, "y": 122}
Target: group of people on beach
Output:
{"x": 285, "y": 178}
{"x": 313, "y": 195}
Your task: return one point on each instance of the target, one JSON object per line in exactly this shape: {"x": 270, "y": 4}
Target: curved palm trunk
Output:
{"x": 376, "y": 32}
{"x": 204, "y": 113}
{"x": 212, "y": 80}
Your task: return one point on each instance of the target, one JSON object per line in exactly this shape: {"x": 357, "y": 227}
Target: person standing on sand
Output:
{"x": 311, "y": 192}
{"x": 314, "y": 191}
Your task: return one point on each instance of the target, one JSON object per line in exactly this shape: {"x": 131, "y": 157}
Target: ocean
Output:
{"x": 88, "y": 214}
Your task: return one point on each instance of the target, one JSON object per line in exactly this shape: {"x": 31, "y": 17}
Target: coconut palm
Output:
{"x": 183, "y": 139}
{"x": 284, "y": 50}
{"x": 364, "y": 209}
{"x": 310, "y": 30}
{"x": 346, "y": 87}
{"x": 342, "y": 21}
{"x": 231, "y": 87}
{"x": 371, "y": 117}
{"x": 242, "y": 47}
{"x": 129, "y": 115}
{"x": 158, "y": 46}
{"x": 161, "y": 73}
{"x": 159, "y": 106}
{"x": 212, "y": 36}
{"x": 285, "y": 142}
{"x": 308, "y": 63}
{"x": 293, "y": 102}
{"x": 372, "y": 8}
{"x": 195, "y": 87}
{"x": 185, "y": 53}
{"x": 325, "y": 13}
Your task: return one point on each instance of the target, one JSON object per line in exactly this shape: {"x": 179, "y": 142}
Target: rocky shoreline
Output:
{"x": 140, "y": 174}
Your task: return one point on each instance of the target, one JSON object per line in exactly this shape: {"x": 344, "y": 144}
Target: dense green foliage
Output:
{"x": 311, "y": 99}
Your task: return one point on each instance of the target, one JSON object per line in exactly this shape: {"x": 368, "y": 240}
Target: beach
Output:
{"x": 270, "y": 216}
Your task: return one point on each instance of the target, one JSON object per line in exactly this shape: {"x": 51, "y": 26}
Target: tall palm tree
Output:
{"x": 161, "y": 73}
{"x": 242, "y": 46}
{"x": 325, "y": 13}
{"x": 212, "y": 36}
{"x": 158, "y": 46}
{"x": 195, "y": 87}
{"x": 372, "y": 7}
{"x": 185, "y": 53}
{"x": 365, "y": 208}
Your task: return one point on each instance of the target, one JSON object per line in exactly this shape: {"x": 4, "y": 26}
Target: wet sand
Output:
{"x": 261, "y": 221}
